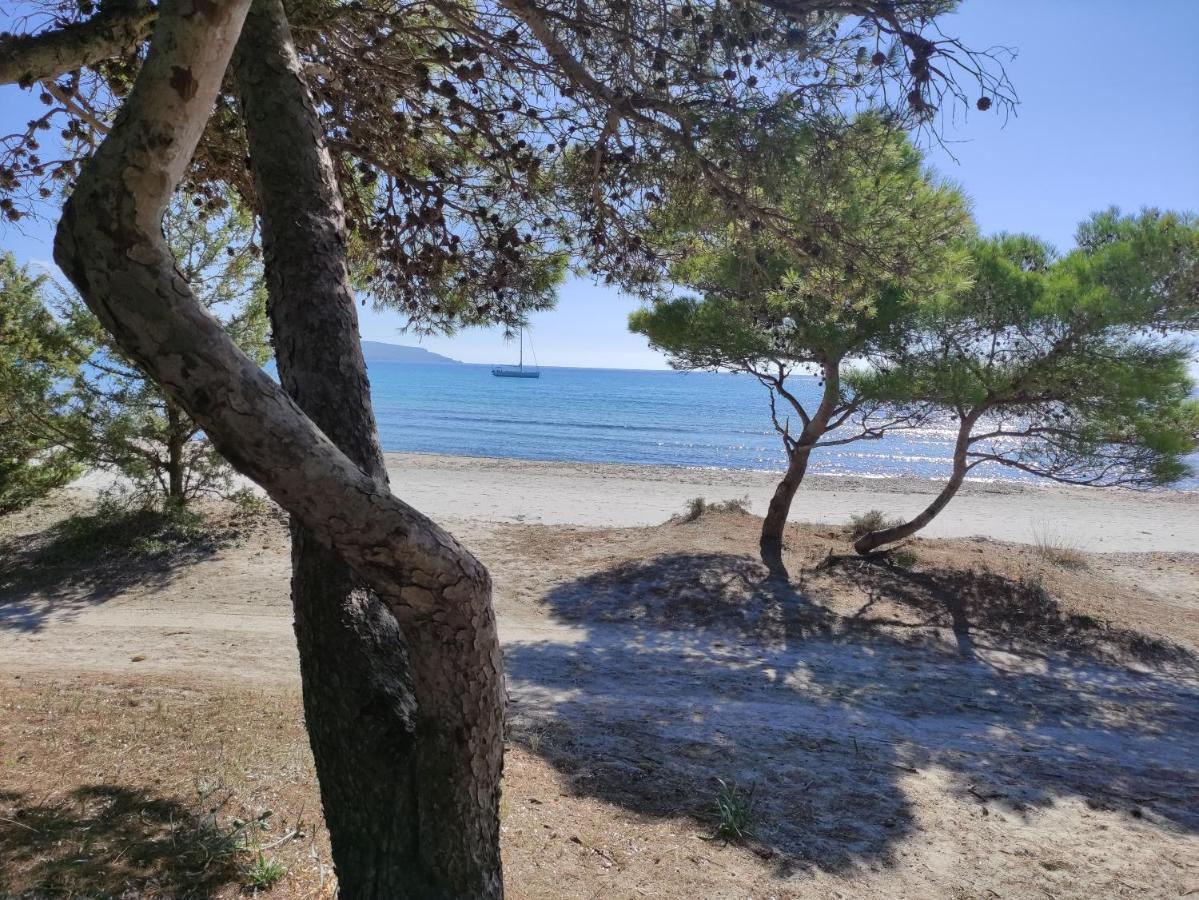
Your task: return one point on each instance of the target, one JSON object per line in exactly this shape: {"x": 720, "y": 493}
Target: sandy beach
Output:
{"x": 990, "y": 718}
{"x": 594, "y": 494}
{"x": 493, "y": 489}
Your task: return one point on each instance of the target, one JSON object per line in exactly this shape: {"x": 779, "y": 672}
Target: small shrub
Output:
{"x": 1056, "y": 548}
{"x": 263, "y": 873}
{"x": 697, "y": 506}
{"x": 735, "y": 814}
{"x": 695, "y": 509}
{"x": 904, "y": 557}
{"x": 871, "y": 520}
{"x": 118, "y": 529}
{"x": 250, "y": 502}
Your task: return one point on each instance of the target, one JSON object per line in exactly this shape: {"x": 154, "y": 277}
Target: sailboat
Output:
{"x": 518, "y": 371}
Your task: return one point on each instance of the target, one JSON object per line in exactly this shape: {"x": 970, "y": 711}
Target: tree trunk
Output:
{"x": 175, "y": 441}
{"x": 350, "y": 646}
{"x": 771, "y": 543}
{"x": 773, "y": 526}
{"x": 110, "y": 244}
{"x": 875, "y": 539}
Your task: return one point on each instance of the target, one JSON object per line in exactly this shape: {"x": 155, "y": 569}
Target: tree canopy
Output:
{"x": 873, "y": 235}
{"x": 451, "y": 126}
{"x": 1072, "y": 367}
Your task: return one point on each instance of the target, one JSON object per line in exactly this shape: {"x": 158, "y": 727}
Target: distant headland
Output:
{"x": 377, "y": 351}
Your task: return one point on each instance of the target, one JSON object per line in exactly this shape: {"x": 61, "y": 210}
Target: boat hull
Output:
{"x": 515, "y": 373}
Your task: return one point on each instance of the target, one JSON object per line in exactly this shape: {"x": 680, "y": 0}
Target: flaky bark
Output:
{"x": 358, "y": 700}
{"x": 874, "y": 539}
{"x": 119, "y": 28}
{"x": 110, "y": 244}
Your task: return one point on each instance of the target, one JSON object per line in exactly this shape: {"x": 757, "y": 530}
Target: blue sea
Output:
{"x": 663, "y": 418}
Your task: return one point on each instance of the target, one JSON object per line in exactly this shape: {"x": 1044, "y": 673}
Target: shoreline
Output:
{"x": 814, "y": 480}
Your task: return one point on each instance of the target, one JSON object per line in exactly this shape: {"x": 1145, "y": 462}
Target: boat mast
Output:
{"x": 522, "y": 347}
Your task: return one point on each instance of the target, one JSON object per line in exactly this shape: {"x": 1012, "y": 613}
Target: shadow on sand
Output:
{"x": 694, "y": 667}
{"x": 87, "y": 560}
{"x": 112, "y": 841}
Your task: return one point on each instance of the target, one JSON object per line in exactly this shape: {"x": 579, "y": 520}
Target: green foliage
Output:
{"x": 1071, "y": 367}
{"x": 736, "y": 814}
{"x": 38, "y": 357}
{"x": 875, "y": 236}
{"x": 128, "y": 425}
{"x": 871, "y": 520}
{"x": 262, "y": 873}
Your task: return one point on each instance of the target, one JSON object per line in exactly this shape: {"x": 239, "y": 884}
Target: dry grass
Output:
{"x": 155, "y": 791}
{"x": 1057, "y": 548}
{"x": 158, "y": 792}
{"x": 697, "y": 507}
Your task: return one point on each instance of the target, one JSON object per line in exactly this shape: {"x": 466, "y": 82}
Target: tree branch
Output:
{"x": 119, "y": 28}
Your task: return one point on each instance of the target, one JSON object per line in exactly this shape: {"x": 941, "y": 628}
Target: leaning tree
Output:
{"x": 1072, "y": 368}
{"x": 412, "y": 150}
{"x": 874, "y": 238}
{"x": 124, "y": 422}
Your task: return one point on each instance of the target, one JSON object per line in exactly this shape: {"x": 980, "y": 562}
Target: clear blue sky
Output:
{"x": 1109, "y": 114}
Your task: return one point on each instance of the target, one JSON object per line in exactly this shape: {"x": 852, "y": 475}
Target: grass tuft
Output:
{"x": 735, "y": 812}
{"x": 263, "y": 873}
{"x": 1056, "y": 548}
{"x": 695, "y": 508}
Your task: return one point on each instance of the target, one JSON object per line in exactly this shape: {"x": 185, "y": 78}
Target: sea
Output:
{"x": 660, "y": 418}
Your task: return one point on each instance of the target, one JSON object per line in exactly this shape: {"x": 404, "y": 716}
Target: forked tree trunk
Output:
{"x": 874, "y": 539}
{"x": 110, "y": 244}
{"x": 357, "y": 695}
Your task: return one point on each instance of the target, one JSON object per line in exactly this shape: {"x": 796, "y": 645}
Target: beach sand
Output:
{"x": 985, "y": 719}
{"x": 493, "y": 489}
{"x": 600, "y": 494}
